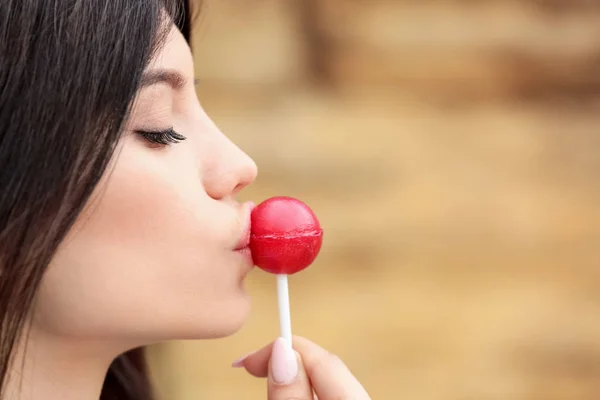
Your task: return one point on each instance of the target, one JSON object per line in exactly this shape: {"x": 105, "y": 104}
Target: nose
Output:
{"x": 231, "y": 172}
{"x": 246, "y": 173}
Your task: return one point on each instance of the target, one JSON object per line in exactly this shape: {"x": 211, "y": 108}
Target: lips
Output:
{"x": 244, "y": 241}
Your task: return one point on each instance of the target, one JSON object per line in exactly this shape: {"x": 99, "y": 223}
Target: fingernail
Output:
{"x": 284, "y": 365}
{"x": 240, "y": 361}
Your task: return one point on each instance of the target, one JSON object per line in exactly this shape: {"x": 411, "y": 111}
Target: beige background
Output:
{"x": 452, "y": 152}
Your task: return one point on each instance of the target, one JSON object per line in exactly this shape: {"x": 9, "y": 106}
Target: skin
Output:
{"x": 321, "y": 374}
{"x": 159, "y": 231}
{"x": 153, "y": 257}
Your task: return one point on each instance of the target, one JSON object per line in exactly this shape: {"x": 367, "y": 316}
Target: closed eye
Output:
{"x": 162, "y": 138}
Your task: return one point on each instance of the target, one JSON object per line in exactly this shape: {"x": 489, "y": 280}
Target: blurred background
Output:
{"x": 451, "y": 149}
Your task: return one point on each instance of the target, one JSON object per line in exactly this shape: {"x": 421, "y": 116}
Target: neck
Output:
{"x": 50, "y": 367}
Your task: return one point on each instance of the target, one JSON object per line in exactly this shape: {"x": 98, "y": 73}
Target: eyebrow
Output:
{"x": 168, "y": 76}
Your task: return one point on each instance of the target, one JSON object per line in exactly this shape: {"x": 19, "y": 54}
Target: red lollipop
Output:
{"x": 285, "y": 238}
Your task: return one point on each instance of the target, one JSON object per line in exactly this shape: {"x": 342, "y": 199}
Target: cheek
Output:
{"x": 149, "y": 256}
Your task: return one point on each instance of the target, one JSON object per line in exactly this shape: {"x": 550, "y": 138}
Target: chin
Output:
{"x": 220, "y": 322}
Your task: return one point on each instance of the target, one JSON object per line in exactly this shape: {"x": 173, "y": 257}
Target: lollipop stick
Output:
{"x": 283, "y": 296}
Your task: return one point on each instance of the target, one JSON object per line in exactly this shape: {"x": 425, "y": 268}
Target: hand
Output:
{"x": 308, "y": 373}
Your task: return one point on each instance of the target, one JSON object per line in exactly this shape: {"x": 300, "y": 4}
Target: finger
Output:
{"x": 256, "y": 363}
{"x": 330, "y": 378}
{"x": 287, "y": 377}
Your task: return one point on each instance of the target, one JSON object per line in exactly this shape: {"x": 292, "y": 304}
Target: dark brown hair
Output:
{"x": 69, "y": 71}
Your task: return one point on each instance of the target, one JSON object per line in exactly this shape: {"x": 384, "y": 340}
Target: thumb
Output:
{"x": 287, "y": 378}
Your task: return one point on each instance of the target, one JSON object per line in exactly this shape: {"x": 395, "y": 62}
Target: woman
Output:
{"x": 119, "y": 224}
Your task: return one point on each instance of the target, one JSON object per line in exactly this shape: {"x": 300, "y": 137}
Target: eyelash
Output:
{"x": 162, "y": 138}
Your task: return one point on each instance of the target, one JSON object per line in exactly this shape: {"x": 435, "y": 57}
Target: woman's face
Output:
{"x": 152, "y": 256}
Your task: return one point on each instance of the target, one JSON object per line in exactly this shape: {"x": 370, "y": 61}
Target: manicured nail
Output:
{"x": 239, "y": 363}
{"x": 284, "y": 365}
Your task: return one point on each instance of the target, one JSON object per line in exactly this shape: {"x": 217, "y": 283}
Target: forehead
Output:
{"x": 174, "y": 54}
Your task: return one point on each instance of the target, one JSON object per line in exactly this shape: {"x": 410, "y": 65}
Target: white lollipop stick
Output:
{"x": 283, "y": 297}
